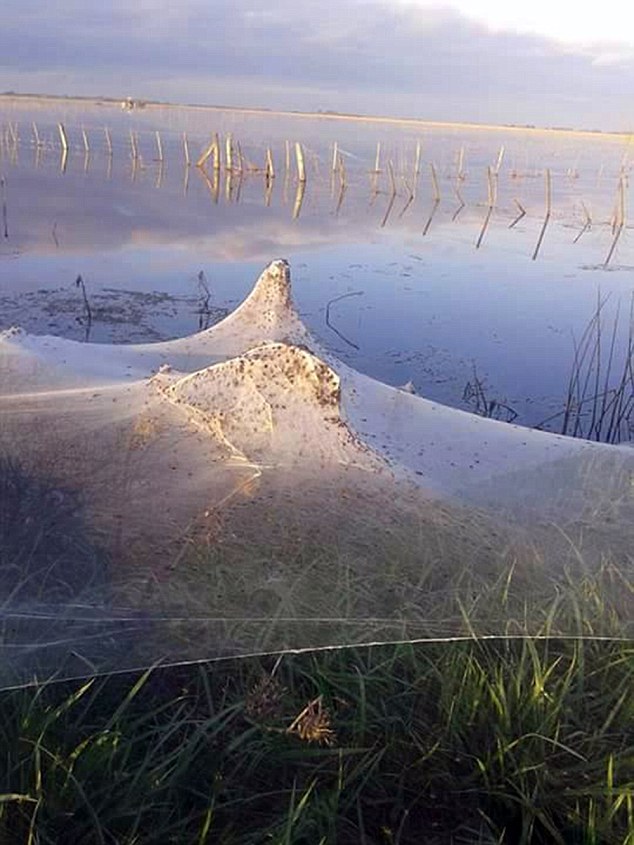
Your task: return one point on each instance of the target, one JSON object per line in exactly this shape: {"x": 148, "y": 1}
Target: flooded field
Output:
{"x": 465, "y": 261}
{"x": 211, "y": 441}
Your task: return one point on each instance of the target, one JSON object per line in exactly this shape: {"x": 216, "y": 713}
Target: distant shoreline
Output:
{"x": 323, "y": 115}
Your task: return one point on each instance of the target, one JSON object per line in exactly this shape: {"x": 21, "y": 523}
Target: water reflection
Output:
{"x": 436, "y": 227}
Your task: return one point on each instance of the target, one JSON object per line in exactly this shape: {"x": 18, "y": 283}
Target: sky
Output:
{"x": 542, "y": 62}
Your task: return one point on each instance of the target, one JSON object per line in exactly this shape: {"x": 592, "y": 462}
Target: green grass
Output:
{"x": 526, "y": 741}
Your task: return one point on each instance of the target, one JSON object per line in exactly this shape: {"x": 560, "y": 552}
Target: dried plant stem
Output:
{"x": 134, "y": 144}
{"x": 79, "y": 282}
{"x": 205, "y": 155}
{"x": 547, "y": 216}
{"x": 159, "y": 145}
{"x": 36, "y": 134}
{"x": 5, "y": 219}
{"x": 491, "y": 190}
{"x": 84, "y": 137}
{"x": 522, "y": 213}
{"x": 62, "y": 136}
{"x": 377, "y": 159}
{"x": 620, "y": 220}
{"x": 108, "y": 140}
{"x": 186, "y": 150}
{"x": 587, "y": 224}
{"x": 299, "y": 156}
{"x": 499, "y": 161}
{"x": 460, "y": 174}
{"x": 228, "y": 152}
{"x": 434, "y": 183}
{"x": 299, "y": 199}
{"x": 270, "y": 169}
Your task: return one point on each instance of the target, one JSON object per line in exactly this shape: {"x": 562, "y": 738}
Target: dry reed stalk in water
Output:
{"x": 134, "y": 144}
{"x": 491, "y": 190}
{"x": 498, "y": 164}
{"x": 620, "y": 219}
{"x": 108, "y": 140}
{"x": 36, "y": 134}
{"x": 270, "y": 169}
{"x": 84, "y": 137}
{"x": 548, "y": 212}
{"x": 186, "y": 150}
{"x": 299, "y": 156}
{"x": 522, "y": 213}
{"x": 159, "y": 145}
{"x": 588, "y": 222}
{"x": 206, "y": 153}
{"x": 434, "y": 182}
{"x": 228, "y": 152}
{"x": 377, "y": 160}
{"x": 62, "y": 136}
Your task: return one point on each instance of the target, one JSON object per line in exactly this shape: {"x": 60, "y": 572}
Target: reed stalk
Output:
{"x": 492, "y": 193}
{"x": 377, "y": 160}
{"x": 62, "y": 136}
{"x": 522, "y": 213}
{"x": 108, "y": 140}
{"x": 299, "y": 156}
{"x": 547, "y": 216}
{"x": 270, "y": 169}
{"x": 587, "y": 224}
{"x": 620, "y": 220}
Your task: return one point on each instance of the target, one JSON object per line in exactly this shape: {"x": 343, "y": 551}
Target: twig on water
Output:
{"x": 328, "y": 321}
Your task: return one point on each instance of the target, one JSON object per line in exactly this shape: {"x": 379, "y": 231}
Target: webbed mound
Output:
{"x": 251, "y": 492}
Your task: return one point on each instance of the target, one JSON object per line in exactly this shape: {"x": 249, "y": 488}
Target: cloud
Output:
{"x": 360, "y": 55}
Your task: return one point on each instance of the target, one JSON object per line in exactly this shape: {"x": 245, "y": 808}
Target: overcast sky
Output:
{"x": 547, "y": 63}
